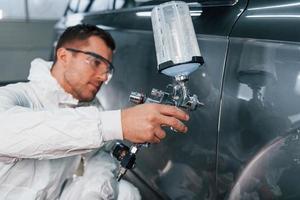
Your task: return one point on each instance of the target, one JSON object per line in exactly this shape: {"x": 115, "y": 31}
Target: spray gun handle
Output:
{"x": 126, "y": 156}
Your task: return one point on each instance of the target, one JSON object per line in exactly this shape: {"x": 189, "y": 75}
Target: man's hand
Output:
{"x": 142, "y": 123}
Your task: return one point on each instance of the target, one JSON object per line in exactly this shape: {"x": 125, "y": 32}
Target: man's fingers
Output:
{"x": 159, "y": 133}
{"x": 148, "y": 119}
{"x": 174, "y": 112}
{"x": 156, "y": 140}
{"x": 174, "y": 123}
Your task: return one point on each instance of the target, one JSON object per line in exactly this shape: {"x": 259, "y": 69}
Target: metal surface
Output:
{"x": 273, "y": 172}
{"x": 176, "y": 94}
{"x": 256, "y": 108}
{"x": 215, "y": 20}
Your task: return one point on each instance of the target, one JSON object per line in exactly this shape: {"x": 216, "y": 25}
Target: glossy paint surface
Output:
{"x": 260, "y": 102}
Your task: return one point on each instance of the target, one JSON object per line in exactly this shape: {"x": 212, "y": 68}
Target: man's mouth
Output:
{"x": 95, "y": 86}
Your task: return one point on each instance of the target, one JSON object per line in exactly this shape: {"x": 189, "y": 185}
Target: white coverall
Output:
{"x": 43, "y": 131}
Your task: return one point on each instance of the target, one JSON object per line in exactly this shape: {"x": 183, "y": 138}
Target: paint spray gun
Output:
{"x": 178, "y": 55}
{"x": 179, "y": 96}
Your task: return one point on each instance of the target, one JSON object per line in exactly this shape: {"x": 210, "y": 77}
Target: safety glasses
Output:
{"x": 97, "y": 61}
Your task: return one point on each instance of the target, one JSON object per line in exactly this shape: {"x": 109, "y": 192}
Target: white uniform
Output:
{"x": 43, "y": 131}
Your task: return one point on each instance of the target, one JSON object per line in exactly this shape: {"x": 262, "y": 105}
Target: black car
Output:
{"x": 244, "y": 143}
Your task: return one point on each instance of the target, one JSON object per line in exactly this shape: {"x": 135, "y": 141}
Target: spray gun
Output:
{"x": 179, "y": 96}
{"x": 178, "y": 55}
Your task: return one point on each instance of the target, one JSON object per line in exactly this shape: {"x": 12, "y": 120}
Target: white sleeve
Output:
{"x": 25, "y": 133}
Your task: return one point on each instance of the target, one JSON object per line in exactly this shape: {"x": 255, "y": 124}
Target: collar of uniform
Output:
{"x": 40, "y": 73}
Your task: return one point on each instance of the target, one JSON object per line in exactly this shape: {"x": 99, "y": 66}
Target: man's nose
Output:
{"x": 102, "y": 77}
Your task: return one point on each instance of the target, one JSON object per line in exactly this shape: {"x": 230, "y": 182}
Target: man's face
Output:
{"x": 84, "y": 74}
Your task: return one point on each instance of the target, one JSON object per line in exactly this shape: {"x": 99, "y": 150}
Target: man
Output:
{"x": 48, "y": 122}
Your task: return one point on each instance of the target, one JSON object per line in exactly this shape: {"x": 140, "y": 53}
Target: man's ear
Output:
{"x": 62, "y": 56}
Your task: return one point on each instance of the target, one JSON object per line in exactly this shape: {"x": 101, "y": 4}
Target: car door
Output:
{"x": 257, "y": 157}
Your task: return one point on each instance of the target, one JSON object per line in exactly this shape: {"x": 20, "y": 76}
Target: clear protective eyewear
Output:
{"x": 95, "y": 60}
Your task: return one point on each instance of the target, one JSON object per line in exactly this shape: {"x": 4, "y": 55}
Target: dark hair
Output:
{"x": 82, "y": 32}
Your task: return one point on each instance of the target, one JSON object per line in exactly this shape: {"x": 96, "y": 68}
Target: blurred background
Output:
{"x": 27, "y": 29}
